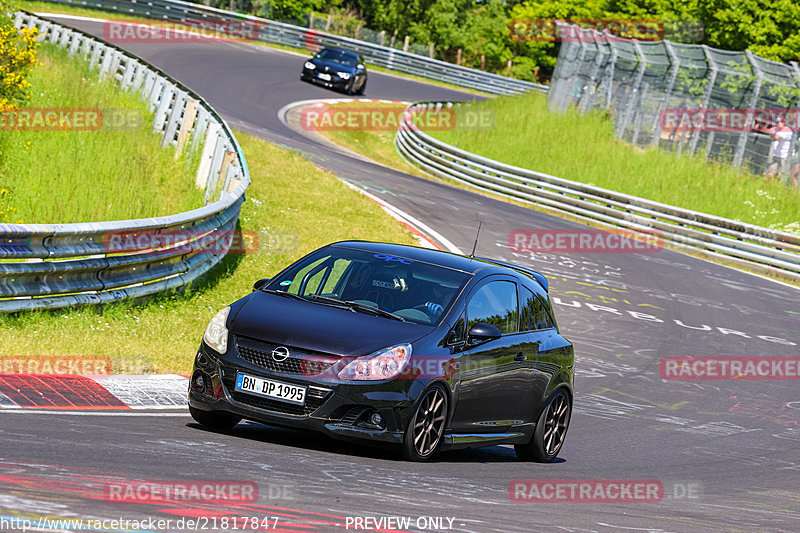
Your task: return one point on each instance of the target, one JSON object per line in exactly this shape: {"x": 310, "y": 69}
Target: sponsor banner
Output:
{"x": 584, "y": 241}
{"x": 181, "y": 241}
{"x": 70, "y": 119}
{"x": 345, "y": 118}
{"x": 218, "y": 492}
{"x": 727, "y": 120}
{"x": 586, "y": 490}
{"x": 179, "y": 31}
{"x": 730, "y": 368}
{"x": 55, "y": 364}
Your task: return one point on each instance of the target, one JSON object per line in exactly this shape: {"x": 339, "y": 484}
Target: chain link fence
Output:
{"x": 721, "y": 105}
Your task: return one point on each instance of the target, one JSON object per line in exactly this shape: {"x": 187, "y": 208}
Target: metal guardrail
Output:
{"x": 749, "y": 246}
{"x": 73, "y": 264}
{"x": 295, "y": 36}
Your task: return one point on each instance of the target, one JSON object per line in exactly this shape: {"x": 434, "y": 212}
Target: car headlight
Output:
{"x": 384, "y": 364}
{"x": 344, "y": 75}
{"x": 216, "y": 335}
{"x": 309, "y": 65}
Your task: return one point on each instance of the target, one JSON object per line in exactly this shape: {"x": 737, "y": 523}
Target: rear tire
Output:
{"x": 426, "y": 428}
{"x": 551, "y": 429}
{"x": 214, "y": 419}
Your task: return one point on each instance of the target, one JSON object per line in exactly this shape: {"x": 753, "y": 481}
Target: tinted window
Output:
{"x": 337, "y": 56}
{"x": 534, "y": 313}
{"x": 495, "y": 303}
{"x": 418, "y": 291}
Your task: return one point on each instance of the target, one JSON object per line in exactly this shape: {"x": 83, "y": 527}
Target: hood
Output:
{"x": 319, "y": 327}
{"x": 331, "y": 66}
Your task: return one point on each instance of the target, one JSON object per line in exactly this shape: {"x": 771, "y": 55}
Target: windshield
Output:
{"x": 338, "y": 56}
{"x": 416, "y": 291}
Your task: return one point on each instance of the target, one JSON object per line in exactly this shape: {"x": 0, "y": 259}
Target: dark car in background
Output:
{"x": 383, "y": 343}
{"x": 336, "y": 68}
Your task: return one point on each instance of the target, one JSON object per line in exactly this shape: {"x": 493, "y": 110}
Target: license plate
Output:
{"x": 268, "y": 388}
{"x": 323, "y": 76}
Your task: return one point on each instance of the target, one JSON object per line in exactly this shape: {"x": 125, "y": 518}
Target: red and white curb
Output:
{"x": 92, "y": 392}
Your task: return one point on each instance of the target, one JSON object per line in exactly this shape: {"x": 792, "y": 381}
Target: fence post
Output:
{"x": 795, "y": 146}
{"x": 405, "y": 44}
{"x": 675, "y": 65}
{"x": 383, "y": 36}
{"x": 748, "y": 122}
{"x": 458, "y": 57}
{"x": 706, "y": 97}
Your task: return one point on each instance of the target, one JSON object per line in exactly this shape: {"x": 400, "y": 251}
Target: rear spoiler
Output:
{"x": 530, "y": 272}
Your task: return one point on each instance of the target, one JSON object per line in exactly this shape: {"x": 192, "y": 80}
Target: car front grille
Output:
{"x": 315, "y": 397}
{"x": 300, "y": 362}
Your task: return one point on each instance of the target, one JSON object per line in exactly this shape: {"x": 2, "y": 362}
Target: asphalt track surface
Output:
{"x": 726, "y": 452}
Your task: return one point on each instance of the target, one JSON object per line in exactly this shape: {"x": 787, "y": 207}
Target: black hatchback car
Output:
{"x": 393, "y": 344}
{"x": 337, "y": 68}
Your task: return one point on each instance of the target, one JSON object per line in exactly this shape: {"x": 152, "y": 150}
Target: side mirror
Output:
{"x": 260, "y": 283}
{"x": 359, "y": 67}
{"x": 482, "y": 332}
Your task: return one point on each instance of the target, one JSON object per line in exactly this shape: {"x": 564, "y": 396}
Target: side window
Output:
{"x": 534, "y": 312}
{"x": 495, "y": 303}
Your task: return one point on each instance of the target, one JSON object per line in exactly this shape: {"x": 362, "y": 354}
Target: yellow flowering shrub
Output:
{"x": 17, "y": 57}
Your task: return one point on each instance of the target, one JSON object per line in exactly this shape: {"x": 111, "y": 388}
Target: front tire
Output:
{"x": 551, "y": 429}
{"x": 214, "y": 419}
{"x": 361, "y": 89}
{"x": 426, "y": 428}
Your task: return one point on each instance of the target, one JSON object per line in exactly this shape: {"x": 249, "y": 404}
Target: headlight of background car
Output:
{"x": 384, "y": 364}
{"x": 216, "y": 335}
{"x": 344, "y": 75}
{"x": 309, "y": 65}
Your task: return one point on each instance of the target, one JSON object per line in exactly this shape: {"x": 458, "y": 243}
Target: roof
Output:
{"x": 463, "y": 263}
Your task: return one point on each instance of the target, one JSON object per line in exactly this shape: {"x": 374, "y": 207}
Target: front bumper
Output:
{"x": 334, "y": 407}
{"x": 335, "y": 82}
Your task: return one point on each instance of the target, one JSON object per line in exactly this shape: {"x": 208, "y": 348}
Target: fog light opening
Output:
{"x": 375, "y": 419}
{"x": 198, "y": 382}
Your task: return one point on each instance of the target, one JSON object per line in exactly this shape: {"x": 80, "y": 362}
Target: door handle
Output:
{"x": 520, "y": 357}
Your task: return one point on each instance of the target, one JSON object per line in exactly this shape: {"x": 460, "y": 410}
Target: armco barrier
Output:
{"x": 753, "y": 247}
{"x": 295, "y": 36}
{"x": 70, "y": 264}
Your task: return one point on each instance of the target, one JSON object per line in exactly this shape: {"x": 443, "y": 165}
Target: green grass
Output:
{"x": 583, "y": 148}
{"x": 292, "y": 205}
{"x": 89, "y": 176}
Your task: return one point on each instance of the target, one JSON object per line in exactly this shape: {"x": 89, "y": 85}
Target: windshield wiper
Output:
{"x": 355, "y": 306}
{"x": 286, "y": 294}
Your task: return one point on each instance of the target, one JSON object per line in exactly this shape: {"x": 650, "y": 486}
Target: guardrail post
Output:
{"x": 174, "y": 120}
{"x": 131, "y": 66}
{"x": 189, "y": 115}
{"x": 74, "y": 44}
{"x": 748, "y": 123}
{"x": 163, "y": 107}
{"x": 18, "y": 20}
{"x": 97, "y": 52}
{"x": 155, "y": 92}
{"x": 204, "y": 168}
{"x": 220, "y": 150}
{"x": 200, "y": 127}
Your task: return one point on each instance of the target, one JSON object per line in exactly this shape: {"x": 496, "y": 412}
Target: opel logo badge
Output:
{"x": 281, "y": 353}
